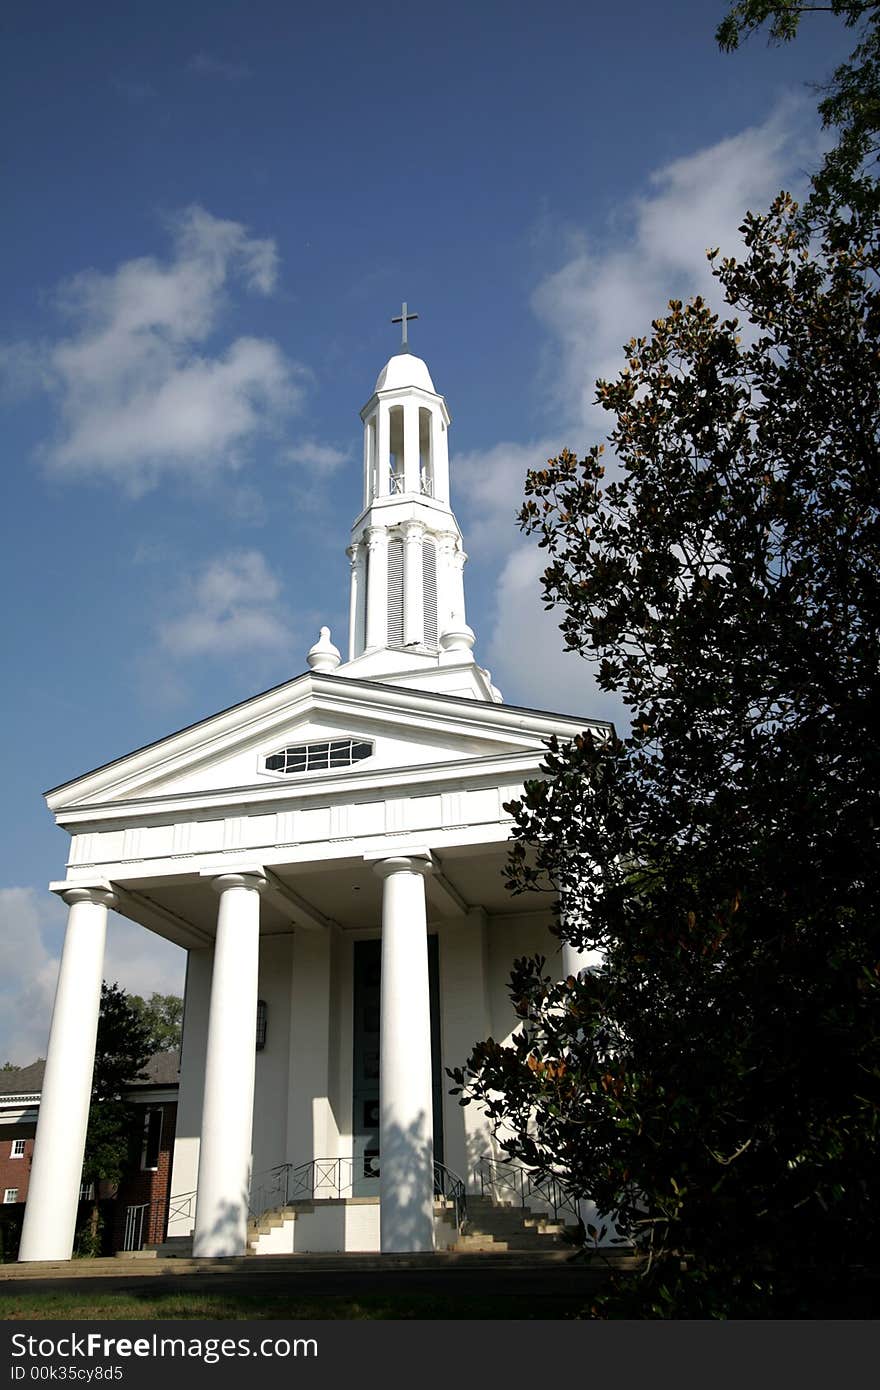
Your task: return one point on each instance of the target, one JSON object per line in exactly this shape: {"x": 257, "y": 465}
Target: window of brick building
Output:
{"x": 152, "y": 1140}
{"x": 10, "y": 1195}
{"x": 17, "y": 1150}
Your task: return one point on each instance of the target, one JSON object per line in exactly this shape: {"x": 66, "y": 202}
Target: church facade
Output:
{"x": 330, "y": 854}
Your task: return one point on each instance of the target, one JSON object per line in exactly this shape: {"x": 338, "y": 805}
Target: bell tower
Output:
{"x": 407, "y": 618}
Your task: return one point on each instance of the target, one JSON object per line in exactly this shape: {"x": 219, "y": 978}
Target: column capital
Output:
{"x": 235, "y": 879}
{"x": 418, "y": 862}
{"x": 413, "y": 529}
{"x": 376, "y": 536}
{"x": 100, "y": 893}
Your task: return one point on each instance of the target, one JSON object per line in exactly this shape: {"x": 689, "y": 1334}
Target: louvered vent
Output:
{"x": 429, "y": 572}
{"x": 395, "y": 593}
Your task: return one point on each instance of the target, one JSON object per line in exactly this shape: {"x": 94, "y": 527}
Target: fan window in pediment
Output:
{"x": 312, "y": 757}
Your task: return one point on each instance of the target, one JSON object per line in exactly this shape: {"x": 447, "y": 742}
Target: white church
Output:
{"x": 329, "y": 853}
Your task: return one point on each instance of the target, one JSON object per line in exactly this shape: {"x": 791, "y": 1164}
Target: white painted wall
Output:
{"x": 312, "y": 1130}
{"x": 245, "y": 766}
{"x": 185, "y": 1162}
{"x": 271, "y": 1091}
{"x": 465, "y": 1019}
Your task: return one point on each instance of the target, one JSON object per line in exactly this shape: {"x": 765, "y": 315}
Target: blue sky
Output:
{"x": 211, "y": 213}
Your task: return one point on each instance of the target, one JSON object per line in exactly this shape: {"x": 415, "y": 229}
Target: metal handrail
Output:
{"x": 325, "y": 1178}
{"x": 449, "y": 1186}
{"x": 523, "y": 1183}
{"x": 320, "y": 1178}
{"x": 148, "y": 1222}
{"x": 180, "y": 1207}
{"x": 133, "y": 1232}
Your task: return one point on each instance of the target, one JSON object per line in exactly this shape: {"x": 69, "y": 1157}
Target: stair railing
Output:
{"x": 319, "y": 1179}
{"x": 325, "y": 1178}
{"x": 449, "y": 1186}
{"x": 505, "y": 1181}
{"x": 146, "y": 1223}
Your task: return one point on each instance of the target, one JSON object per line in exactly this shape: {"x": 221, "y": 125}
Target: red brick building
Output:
{"x": 136, "y": 1213}
{"x": 19, "y": 1107}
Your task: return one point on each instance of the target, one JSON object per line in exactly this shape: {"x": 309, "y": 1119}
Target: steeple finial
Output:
{"x": 403, "y": 318}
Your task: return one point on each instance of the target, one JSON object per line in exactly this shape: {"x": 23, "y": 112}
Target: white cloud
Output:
{"x": 138, "y": 392}
{"x": 609, "y": 291}
{"x": 606, "y": 291}
{"x": 28, "y": 972}
{"x": 526, "y": 653}
{"x": 233, "y": 608}
{"x": 323, "y": 458}
{"x": 490, "y": 482}
{"x": 31, "y": 932}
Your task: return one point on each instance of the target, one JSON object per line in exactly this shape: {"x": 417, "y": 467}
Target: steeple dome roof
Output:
{"x": 405, "y": 369}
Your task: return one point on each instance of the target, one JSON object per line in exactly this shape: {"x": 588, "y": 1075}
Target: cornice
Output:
{"x": 466, "y": 774}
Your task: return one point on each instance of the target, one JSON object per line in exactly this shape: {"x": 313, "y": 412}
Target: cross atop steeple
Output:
{"x": 403, "y": 318}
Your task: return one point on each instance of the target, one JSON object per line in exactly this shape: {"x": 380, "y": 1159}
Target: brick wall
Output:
{"x": 150, "y": 1186}
{"x": 15, "y": 1172}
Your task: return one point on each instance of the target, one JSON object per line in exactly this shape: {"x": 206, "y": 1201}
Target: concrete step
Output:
{"x": 173, "y": 1247}
{"x": 508, "y": 1225}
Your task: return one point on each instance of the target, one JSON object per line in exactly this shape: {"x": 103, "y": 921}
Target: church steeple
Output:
{"x": 407, "y": 609}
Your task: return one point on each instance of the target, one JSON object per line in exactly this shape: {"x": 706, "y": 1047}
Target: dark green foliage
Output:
{"x": 717, "y": 1081}
{"x": 845, "y": 195}
{"x": 163, "y": 1014}
{"x": 123, "y": 1047}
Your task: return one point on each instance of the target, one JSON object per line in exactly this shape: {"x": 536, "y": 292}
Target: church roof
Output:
{"x": 162, "y": 1069}
{"x": 405, "y": 369}
{"x": 23, "y": 1080}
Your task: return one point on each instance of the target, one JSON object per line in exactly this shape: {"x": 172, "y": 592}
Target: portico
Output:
{"x": 358, "y": 802}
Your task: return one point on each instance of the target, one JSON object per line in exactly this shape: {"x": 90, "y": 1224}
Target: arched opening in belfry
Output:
{"x": 395, "y": 448}
{"x": 426, "y": 454}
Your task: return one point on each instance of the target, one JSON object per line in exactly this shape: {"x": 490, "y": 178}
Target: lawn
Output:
{"x": 81, "y": 1304}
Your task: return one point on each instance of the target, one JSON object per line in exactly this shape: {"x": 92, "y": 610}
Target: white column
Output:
{"x": 406, "y": 1137}
{"x": 440, "y": 446}
{"x": 355, "y": 554}
{"x": 458, "y": 563}
{"x": 230, "y": 1061}
{"x": 446, "y": 581}
{"x": 414, "y": 584}
{"x": 377, "y": 587}
{"x": 191, "y": 1092}
{"x": 412, "y": 481}
{"x": 53, "y": 1189}
{"x": 574, "y": 960}
{"x": 368, "y": 464}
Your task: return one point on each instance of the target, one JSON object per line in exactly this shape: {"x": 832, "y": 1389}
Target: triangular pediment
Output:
{"x": 405, "y": 729}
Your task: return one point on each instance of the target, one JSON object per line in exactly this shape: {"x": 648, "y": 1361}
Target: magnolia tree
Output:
{"x": 714, "y": 1083}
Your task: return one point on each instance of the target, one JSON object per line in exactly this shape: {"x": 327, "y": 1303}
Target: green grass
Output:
{"x": 80, "y": 1305}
